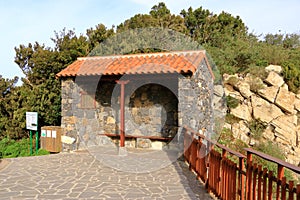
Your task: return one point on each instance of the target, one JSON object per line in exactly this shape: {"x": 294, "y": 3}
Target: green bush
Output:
{"x": 232, "y": 102}
{"x": 273, "y": 150}
{"x": 225, "y": 137}
{"x": 232, "y": 81}
{"x": 231, "y": 119}
{"x": 257, "y": 128}
{"x": 291, "y": 74}
{"x": 43, "y": 152}
{"x": 257, "y": 71}
{"x": 255, "y": 81}
{"x": 255, "y": 86}
{"x": 12, "y": 148}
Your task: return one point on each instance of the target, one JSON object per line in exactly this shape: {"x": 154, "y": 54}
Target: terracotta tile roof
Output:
{"x": 151, "y": 63}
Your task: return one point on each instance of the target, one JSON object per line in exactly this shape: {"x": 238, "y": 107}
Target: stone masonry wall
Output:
{"x": 151, "y": 110}
{"x": 195, "y": 100}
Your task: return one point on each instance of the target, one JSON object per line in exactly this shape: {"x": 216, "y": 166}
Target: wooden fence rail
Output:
{"x": 231, "y": 180}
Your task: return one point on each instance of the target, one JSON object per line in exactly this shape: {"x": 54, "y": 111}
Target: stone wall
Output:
{"x": 195, "y": 100}
{"x": 150, "y": 110}
{"x": 269, "y": 101}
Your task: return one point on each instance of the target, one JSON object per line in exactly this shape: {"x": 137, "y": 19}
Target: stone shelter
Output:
{"x": 138, "y": 100}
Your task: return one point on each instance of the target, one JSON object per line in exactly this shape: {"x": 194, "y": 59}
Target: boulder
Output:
{"x": 230, "y": 79}
{"x": 275, "y": 68}
{"x": 255, "y": 83}
{"x": 285, "y": 100}
{"x": 269, "y": 93}
{"x": 227, "y": 126}
{"x": 280, "y": 140}
{"x": 285, "y": 128}
{"x": 239, "y": 129}
{"x": 269, "y": 133}
{"x": 274, "y": 79}
{"x": 216, "y": 100}
{"x": 219, "y": 90}
{"x": 242, "y": 112}
{"x": 285, "y": 86}
{"x": 293, "y": 159}
{"x": 297, "y": 104}
{"x": 244, "y": 89}
{"x": 229, "y": 91}
{"x": 263, "y": 110}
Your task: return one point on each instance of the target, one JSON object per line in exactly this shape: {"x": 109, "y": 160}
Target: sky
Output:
{"x": 24, "y": 21}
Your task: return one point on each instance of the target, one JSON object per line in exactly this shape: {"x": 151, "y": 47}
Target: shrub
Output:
{"x": 291, "y": 75}
{"x": 231, "y": 119}
{"x": 232, "y": 81}
{"x": 239, "y": 145}
{"x": 43, "y": 152}
{"x": 275, "y": 151}
{"x": 11, "y": 148}
{"x": 232, "y": 102}
{"x": 256, "y": 85}
{"x": 226, "y": 137}
{"x": 257, "y": 128}
{"x": 257, "y": 71}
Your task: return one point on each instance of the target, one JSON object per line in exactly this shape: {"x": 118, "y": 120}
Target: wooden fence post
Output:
{"x": 280, "y": 174}
{"x": 249, "y": 175}
{"x": 241, "y": 180}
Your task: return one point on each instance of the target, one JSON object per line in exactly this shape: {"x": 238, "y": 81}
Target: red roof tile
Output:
{"x": 152, "y": 63}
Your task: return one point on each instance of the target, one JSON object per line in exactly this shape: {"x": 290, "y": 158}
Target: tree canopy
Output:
{"x": 224, "y": 36}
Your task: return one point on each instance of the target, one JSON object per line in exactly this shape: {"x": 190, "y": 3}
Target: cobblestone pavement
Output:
{"x": 81, "y": 176}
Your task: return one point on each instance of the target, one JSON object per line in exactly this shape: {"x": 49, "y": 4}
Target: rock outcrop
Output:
{"x": 270, "y": 102}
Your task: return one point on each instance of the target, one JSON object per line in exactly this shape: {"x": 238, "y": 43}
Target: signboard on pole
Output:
{"x": 32, "y": 121}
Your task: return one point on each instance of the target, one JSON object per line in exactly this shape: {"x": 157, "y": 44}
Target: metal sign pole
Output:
{"x": 32, "y": 124}
{"x": 30, "y": 140}
{"x": 36, "y": 142}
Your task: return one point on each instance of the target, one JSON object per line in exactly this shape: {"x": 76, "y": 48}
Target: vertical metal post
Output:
{"x": 36, "y": 142}
{"x": 122, "y": 112}
{"x": 30, "y": 141}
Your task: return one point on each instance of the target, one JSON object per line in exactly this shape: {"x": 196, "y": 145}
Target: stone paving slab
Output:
{"x": 82, "y": 176}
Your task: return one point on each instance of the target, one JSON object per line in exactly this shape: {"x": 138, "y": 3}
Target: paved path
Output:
{"x": 81, "y": 176}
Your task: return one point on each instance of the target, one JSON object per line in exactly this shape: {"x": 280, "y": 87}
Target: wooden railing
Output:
{"x": 225, "y": 175}
{"x": 262, "y": 184}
